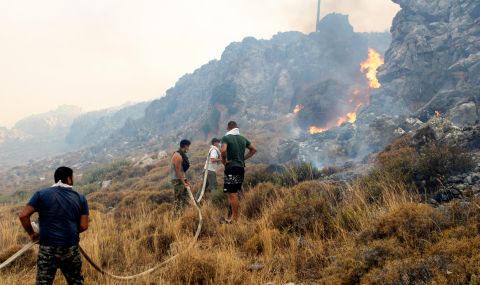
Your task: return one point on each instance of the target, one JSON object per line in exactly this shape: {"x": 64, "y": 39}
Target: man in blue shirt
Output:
{"x": 63, "y": 215}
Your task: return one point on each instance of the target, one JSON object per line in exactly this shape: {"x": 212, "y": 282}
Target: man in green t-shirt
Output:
{"x": 233, "y": 157}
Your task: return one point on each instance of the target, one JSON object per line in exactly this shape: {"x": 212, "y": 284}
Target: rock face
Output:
{"x": 432, "y": 68}
{"x": 433, "y": 63}
{"x": 257, "y": 82}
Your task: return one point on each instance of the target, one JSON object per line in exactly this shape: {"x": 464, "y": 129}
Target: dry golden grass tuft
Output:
{"x": 314, "y": 233}
{"x": 374, "y": 231}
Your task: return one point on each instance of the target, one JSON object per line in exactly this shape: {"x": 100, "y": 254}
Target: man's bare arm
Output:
{"x": 251, "y": 152}
{"x": 24, "y": 217}
{"x": 177, "y": 162}
{"x": 83, "y": 223}
{"x": 224, "y": 154}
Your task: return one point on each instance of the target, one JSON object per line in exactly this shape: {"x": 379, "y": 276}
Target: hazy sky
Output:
{"x": 101, "y": 53}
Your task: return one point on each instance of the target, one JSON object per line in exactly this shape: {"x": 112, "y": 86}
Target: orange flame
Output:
{"x": 352, "y": 117}
{"x": 298, "y": 108}
{"x": 358, "y": 98}
{"x": 316, "y": 130}
{"x": 438, "y": 114}
{"x": 349, "y": 117}
{"x": 341, "y": 120}
{"x": 370, "y": 67}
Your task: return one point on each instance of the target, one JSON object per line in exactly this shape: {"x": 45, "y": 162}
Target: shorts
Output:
{"x": 233, "y": 179}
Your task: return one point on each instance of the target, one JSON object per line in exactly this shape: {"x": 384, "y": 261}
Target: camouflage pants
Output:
{"x": 68, "y": 259}
{"x": 210, "y": 186}
{"x": 181, "y": 195}
{"x": 211, "y": 181}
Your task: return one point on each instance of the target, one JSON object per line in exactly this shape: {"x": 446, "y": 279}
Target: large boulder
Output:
{"x": 464, "y": 113}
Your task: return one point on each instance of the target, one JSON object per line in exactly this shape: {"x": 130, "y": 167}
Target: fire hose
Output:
{"x": 118, "y": 277}
{"x": 195, "y": 203}
{"x": 205, "y": 176}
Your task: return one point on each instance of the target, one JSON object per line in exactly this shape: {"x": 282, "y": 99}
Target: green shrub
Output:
{"x": 106, "y": 172}
{"x": 258, "y": 177}
{"x": 212, "y": 121}
{"x": 299, "y": 172}
{"x": 292, "y": 175}
{"x": 402, "y": 164}
{"x": 436, "y": 161}
{"x": 225, "y": 94}
{"x": 88, "y": 188}
{"x": 219, "y": 199}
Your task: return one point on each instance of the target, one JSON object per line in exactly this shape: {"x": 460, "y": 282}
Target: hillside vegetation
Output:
{"x": 297, "y": 225}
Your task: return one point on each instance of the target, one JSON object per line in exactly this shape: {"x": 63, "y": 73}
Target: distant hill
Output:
{"x": 54, "y": 123}
{"x": 37, "y": 136}
{"x": 63, "y": 130}
{"x": 94, "y": 127}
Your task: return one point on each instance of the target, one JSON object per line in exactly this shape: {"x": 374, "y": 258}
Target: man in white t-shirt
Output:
{"x": 215, "y": 162}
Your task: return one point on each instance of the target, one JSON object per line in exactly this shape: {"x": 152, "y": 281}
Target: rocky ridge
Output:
{"x": 432, "y": 68}
{"x": 258, "y": 82}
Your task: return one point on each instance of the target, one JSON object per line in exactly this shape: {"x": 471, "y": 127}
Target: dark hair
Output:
{"x": 62, "y": 174}
{"x": 232, "y": 125}
{"x": 215, "y": 140}
{"x": 185, "y": 143}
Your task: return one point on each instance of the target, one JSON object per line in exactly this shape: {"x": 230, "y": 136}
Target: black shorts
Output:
{"x": 233, "y": 180}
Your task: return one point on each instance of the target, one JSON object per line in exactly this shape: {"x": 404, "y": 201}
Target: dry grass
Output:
{"x": 372, "y": 232}
{"x": 312, "y": 233}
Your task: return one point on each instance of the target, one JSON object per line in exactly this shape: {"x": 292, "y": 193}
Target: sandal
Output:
{"x": 224, "y": 221}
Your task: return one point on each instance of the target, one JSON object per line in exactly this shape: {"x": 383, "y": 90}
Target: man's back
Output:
{"x": 59, "y": 209}
{"x": 236, "y": 146}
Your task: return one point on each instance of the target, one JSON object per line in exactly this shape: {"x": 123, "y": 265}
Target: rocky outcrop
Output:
{"x": 433, "y": 63}
{"x": 432, "y": 69}
{"x": 257, "y": 82}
